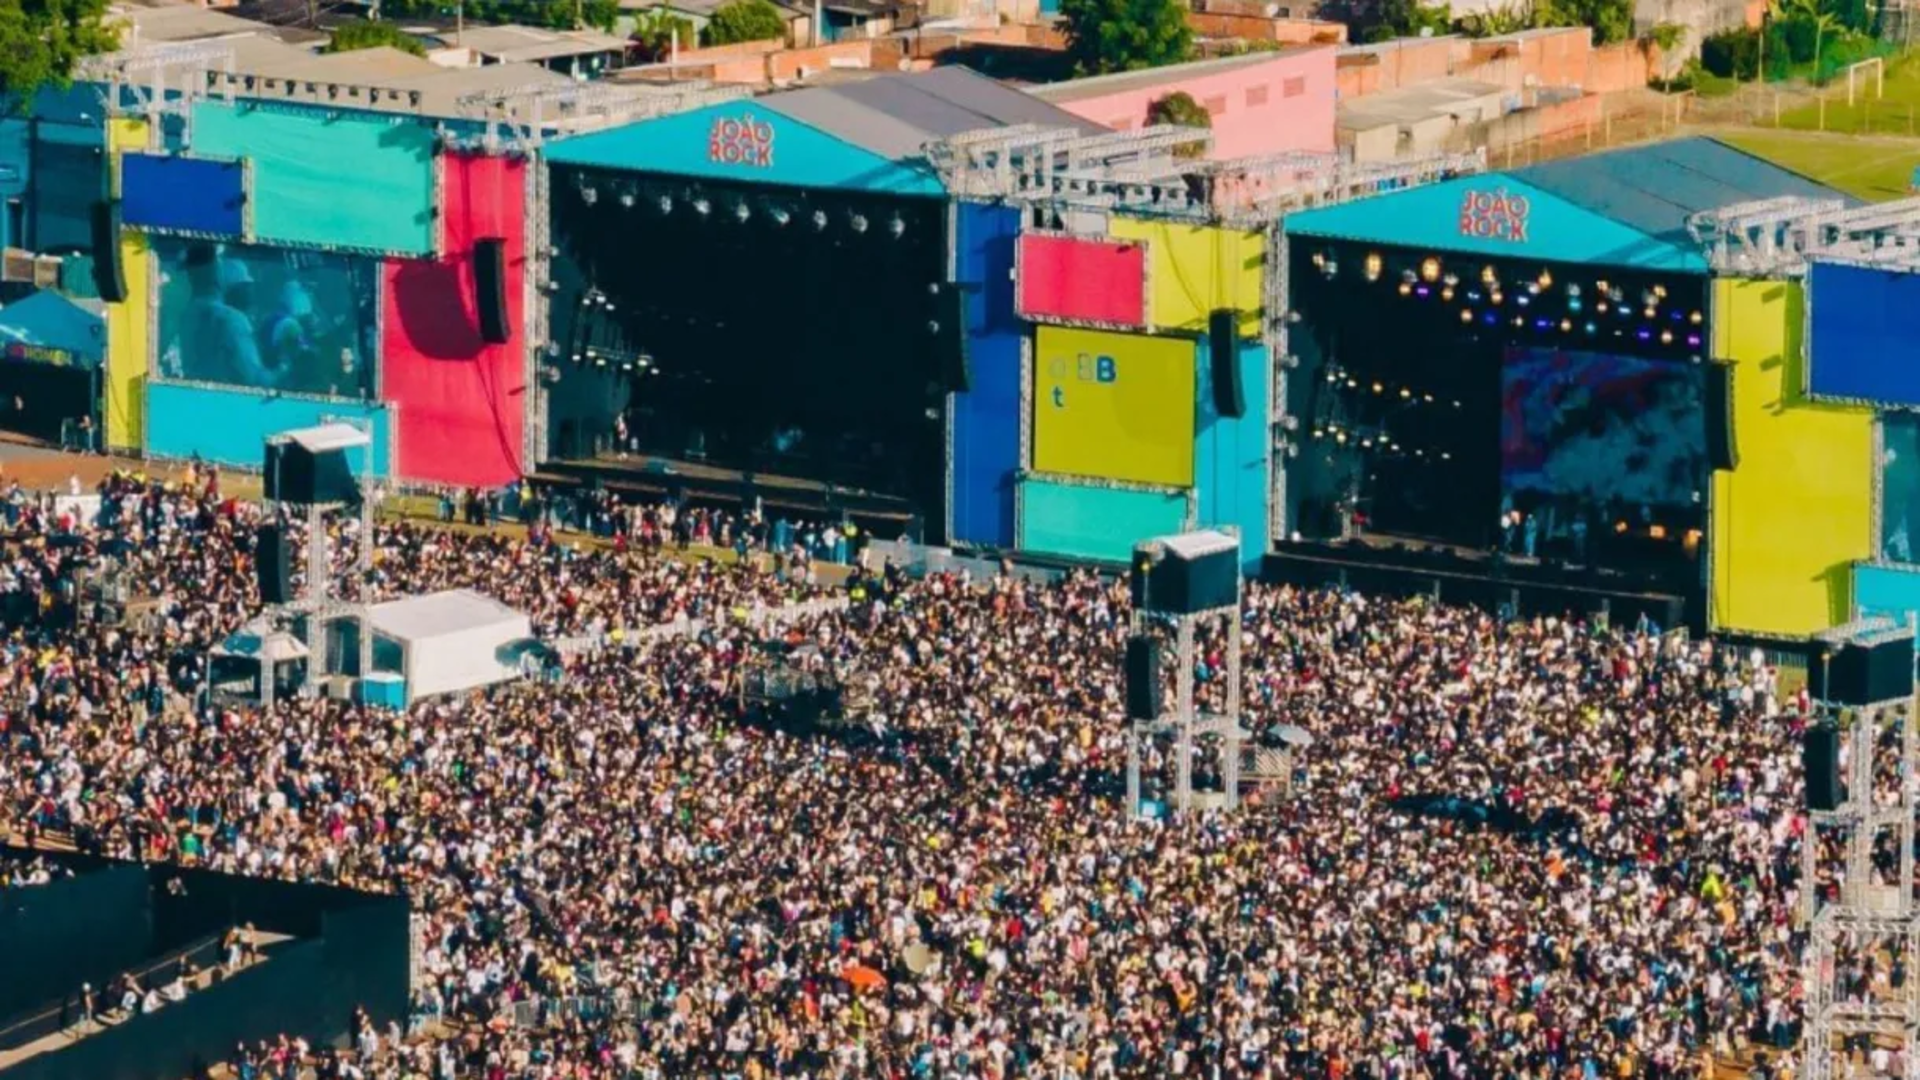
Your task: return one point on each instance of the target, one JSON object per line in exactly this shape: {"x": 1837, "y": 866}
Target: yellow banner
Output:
{"x": 1113, "y": 406}
{"x": 1194, "y": 270}
{"x": 1797, "y": 511}
{"x": 127, "y": 345}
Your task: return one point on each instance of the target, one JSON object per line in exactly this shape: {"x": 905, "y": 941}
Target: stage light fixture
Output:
{"x": 1650, "y": 313}
{"x": 1573, "y": 291}
{"x": 741, "y": 213}
{"x": 1497, "y": 297}
{"x": 933, "y": 326}
{"x": 1486, "y": 275}
{"x": 897, "y": 227}
{"x": 1546, "y": 279}
{"x": 1533, "y": 288}
{"x": 1466, "y": 314}
{"x": 819, "y": 220}
{"x": 780, "y": 215}
{"x": 1566, "y": 325}
{"x": 1660, "y": 291}
{"x": 1373, "y": 265}
{"x": 1694, "y": 318}
{"x": 666, "y": 204}
{"x": 1450, "y": 280}
{"x": 1430, "y": 269}
{"x": 1447, "y": 294}
{"x": 1332, "y": 269}
{"x": 1319, "y": 260}
{"x": 1407, "y": 277}
{"x": 626, "y": 200}
{"x": 1666, "y": 337}
{"x": 1406, "y": 289}
{"x": 1601, "y": 307}
{"x": 589, "y": 196}
{"x": 1693, "y": 340}
{"x": 702, "y": 207}
{"x": 859, "y": 223}
{"x": 1591, "y": 328}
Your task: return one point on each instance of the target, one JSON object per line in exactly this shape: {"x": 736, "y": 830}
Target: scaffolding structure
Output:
{"x": 1186, "y": 723}
{"x": 1866, "y": 919}
{"x": 316, "y": 603}
{"x": 519, "y": 118}
{"x": 1781, "y": 237}
{"x": 155, "y": 81}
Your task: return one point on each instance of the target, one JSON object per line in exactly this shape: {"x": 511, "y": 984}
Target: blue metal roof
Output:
{"x": 1653, "y": 189}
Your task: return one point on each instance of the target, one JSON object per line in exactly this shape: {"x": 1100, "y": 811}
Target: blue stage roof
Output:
{"x": 1625, "y": 207}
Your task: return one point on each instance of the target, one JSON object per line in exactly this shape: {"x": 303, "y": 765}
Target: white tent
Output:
{"x": 447, "y": 642}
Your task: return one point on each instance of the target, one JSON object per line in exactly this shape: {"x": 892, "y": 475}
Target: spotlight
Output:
{"x": 1406, "y": 289}
{"x": 741, "y": 213}
{"x": 896, "y": 226}
{"x": 1666, "y": 337}
{"x": 1486, "y": 275}
{"x": 589, "y": 196}
{"x": 1573, "y": 291}
{"x": 702, "y": 207}
{"x": 1430, "y": 268}
{"x": 1319, "y": 260}
{"x": 819, "y": 220}
{"x": 859, "y": 223}
{"x": 1566, "y": 325}
{"x": 1694, "y": 318}
{"x": 1407, "y": 278}
{"x": 1373, "y": 265}
{"x": 780, "y": 215}
{"x": 1546, "y": 279}
{"x": 1447, "y": 294}
{"x": 933, "y": 327}
{"x": 666, "y": 204}
{"x": 1332, "y": 269}
{"x": 626, "y": 200}
{"x": 1450, "y": 280}
{"x": 1497, "y": 296}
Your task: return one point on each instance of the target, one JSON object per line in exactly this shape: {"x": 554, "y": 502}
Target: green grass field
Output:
{"x": 1872, "y": 168}
{"x": 1895, "y": 112}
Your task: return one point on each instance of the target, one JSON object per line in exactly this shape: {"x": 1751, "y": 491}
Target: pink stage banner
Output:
{"x": 1081, "y": 281}
{"x": 462, "y": 402}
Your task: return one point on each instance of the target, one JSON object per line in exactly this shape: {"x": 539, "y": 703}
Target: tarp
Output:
{"x": 160, "y": 191}
{"x": 462, "y": 401}
{"x": 328, "y": 178}
{"x": 48, "y": 328}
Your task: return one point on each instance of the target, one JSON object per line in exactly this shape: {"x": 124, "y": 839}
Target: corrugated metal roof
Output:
{"x": 1121, "y": 82}
{"x": 1655, "y": 188}
{"x": 895, "y": 116}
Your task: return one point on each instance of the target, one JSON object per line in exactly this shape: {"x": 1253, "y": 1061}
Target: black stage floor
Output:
{"x": 1514, "y": 585}
{"x": 702, "y": 483}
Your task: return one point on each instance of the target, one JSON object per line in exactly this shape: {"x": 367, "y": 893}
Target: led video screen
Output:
{"x": 1863, "y": 325}
{"x": 1899, "y": 486}
{"x": 267, "y": 318}
{"x": 1607, "y": 432}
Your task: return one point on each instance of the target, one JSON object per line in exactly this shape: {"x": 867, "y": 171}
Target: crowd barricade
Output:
{"x": 759, "y": 617}
{"x": 920, "y": 560}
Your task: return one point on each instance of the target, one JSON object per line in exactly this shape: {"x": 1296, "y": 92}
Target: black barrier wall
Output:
{"x": 56, "y": 936}
{"x": 351, "y": 950}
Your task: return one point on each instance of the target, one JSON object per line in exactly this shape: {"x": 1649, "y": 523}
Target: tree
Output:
{"x": 1391, "y": 19}
{"x": 746, "y": 20}
{"x": 372, "y": 35}
{"x": 1822, "y": 21}
{"x": 655, "y": 32}
{"x": 1125, "y": 35}
{"x": 1505, "y": 19}
{"x": 1610, "y": 20}
{"x": 1179, "y": 108}
{"x": 41, "y": 42}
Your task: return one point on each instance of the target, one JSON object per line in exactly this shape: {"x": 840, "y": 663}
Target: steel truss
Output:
{"x": 317, "y": 602}
{"x": 519, "y": 117}
{"x": 160, "y": 80}
{"x": 1187, "y": 723}
{"x": 1866, "y": 922}
{"x": 1780, "y": 237}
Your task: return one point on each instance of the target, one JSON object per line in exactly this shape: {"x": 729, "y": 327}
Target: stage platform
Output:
{"x": 1520, "y": 586}
{"x": 701, "y": 483}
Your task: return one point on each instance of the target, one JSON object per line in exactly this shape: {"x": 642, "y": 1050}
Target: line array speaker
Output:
{"x": 490, "y": 290}
{"x": 1143, "y": 678}
{"x": 959, "y": 361}
{"x": 1820, "y": 757}
{"x": 1223, "y": 344}
{"x": 109, "y": 277}
{"x": 1722, "y": 451}
{"x": 273, "y": 562}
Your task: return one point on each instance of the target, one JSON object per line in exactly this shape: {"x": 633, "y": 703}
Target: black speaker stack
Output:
{"x": 1223, "y": 347}
{"x": 1820, "y": 757}
{"x": 1143, "y": 678}
{"x": 273, "y": 563}
{"x": 490, "y": 290}
{"x": 109, "y": 277}
{"x": 1722, "y": 449}
{"x": 1186, "y": 574}
{"x": 1864, "y": 668}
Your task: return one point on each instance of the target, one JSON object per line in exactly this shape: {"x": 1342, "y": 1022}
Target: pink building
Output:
{"x": 1262, "y": 103}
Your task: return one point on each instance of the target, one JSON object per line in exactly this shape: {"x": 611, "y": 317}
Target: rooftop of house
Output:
{"x": 1127, "y": 81}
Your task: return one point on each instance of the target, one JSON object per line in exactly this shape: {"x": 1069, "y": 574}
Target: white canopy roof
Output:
{"x": 325, "y": 437}
{"x": 443, "y": 614}
{"x": 269, "y": 648}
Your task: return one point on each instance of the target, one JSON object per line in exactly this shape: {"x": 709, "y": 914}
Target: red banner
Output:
{"x": 1071, "y": 279}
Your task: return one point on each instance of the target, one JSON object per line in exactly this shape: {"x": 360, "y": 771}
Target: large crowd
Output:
{"x": 1516, "y": 849}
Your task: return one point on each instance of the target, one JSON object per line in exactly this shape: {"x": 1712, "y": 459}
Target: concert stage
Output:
{"x": 703, "y": 484}
{"x": 1521, "y": 586}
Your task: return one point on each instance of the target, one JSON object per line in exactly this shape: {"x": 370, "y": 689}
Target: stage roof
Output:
{"x": 1624, "y": 207}
{"x": 868, "y": 135}
{"x": 443, "y": 614}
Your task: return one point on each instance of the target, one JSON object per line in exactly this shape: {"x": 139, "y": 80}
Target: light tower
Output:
{"x": 1190, "y": 581}
{"x": 1862, "y": 686}
{"x": 307, "y": 468}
